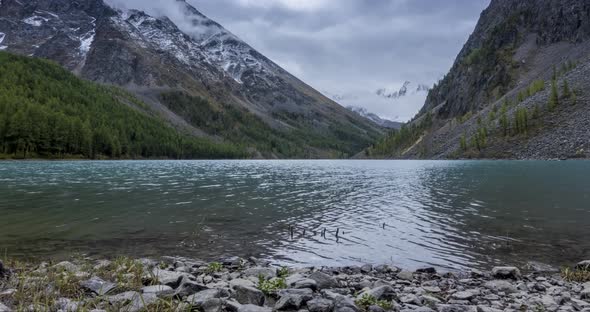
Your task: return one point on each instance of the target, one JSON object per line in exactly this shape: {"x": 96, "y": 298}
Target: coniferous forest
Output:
{"x": 47, "y": 112}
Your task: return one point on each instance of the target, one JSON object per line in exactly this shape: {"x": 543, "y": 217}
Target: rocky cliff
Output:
{"x": 518, "y": 89}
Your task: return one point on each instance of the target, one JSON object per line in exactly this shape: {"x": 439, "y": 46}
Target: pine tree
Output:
{"x": 554, "y": 97}
{"x": 566, "y": 90}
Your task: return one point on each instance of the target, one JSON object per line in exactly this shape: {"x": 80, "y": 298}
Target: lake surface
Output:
{"x": 450, "y": 214}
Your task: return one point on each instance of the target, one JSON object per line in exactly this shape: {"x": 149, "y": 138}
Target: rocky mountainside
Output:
{"x": 385, "y": 123}
{"x": 518, "y": 89}
{"x": 151, "y": 55}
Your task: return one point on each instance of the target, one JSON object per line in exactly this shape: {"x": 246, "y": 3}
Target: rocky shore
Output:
{"x": 240, "y": 285}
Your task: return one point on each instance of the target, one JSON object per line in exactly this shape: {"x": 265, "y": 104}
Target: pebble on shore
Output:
{"x": 238, "y": 285}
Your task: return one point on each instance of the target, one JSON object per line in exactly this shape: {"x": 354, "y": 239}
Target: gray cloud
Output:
{"x": 348, "y": 47}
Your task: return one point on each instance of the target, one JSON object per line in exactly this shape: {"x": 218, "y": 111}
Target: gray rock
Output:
{"x": 375, "y": 308}
{"x": 211, "y": 305}
{"x": 324, "y": 281}
{"x": 476, "y": 273}
{"x": 3, "y": 271}
{"x": 4, "y": 308}
{"x": 506, "y": 273}
{"x": 465, "y": 295}
{"x": 481, "y": 308}
{"x": 429, "y": 300}
{"x": 585, "y": 294}
{"x": 385, "y": 292}
{"x": 384, "y": 268}
{"x": 199, "y": 298}
{"x": 253, "y": 308}
{"x": 298, "y": 281}
{"x": 583, "y": 265}
{"x": 132, "y": 301}
{"x": 432, "y": 289}
{"x": 67, "y": 266}
{"x": 267, "y": 273}
{"x": 187, "y": 288}
{"x": 320, "y": 305}
{"x": 66, "y": 305}
{"x": 248, "y": 295}
{"x": 292, "y": 299}
{"x": 405, "y": 275}
{"x": 241, "y": 282}
{"x": 170, "y": 278}
{"x": 455, "y": 308}
{"x": 500, "y": 286}
{"x": 367, "y": 268}
{"x": 158, "y": 290}
{"x": 344, "y": 304}
{"x": 428, "y": 270}
{"x": 411, "y": 299}
{"x": 97, "y": 286}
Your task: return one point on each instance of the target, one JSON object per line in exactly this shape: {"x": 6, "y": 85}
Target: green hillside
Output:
{"x": 47, "y": 112}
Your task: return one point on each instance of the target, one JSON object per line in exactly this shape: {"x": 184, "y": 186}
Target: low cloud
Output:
{"x": 346, "y": 46}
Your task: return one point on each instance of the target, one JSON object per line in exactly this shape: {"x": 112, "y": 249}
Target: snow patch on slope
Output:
{"x": 87, "y": 39}
{"x": 2, "y": 36}
{"x": 36, "y": 21}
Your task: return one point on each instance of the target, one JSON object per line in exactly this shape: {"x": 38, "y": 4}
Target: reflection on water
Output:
{"x": 410, "y": 213}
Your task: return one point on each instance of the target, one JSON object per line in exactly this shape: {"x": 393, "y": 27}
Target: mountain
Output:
{"x": 406, "y": 89}
{"x": 517, "y": 89}
{"x": 385, "y": 123}
{"x": 194, "y": 73}
{"x": 47, "y": 112}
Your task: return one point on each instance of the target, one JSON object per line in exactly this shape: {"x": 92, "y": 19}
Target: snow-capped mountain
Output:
{"x": 149, "y": 54}
{"x": 386, "y": 123}
{"x": 406, "y": 89}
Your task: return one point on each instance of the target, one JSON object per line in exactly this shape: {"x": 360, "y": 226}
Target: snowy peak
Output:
{"x": 406, "y": 89}
{"x": 386, "y": 123}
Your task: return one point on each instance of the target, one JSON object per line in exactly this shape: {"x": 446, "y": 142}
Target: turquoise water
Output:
{"x": 450, "y": 214}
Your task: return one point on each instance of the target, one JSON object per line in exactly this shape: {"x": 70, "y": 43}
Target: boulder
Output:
{"x": 4, "y": 308}
{"x": 67, "y": 266}
{"x": 385, "y": 292}
{"x": 248, "y": 295}
{"x": 506, "y": 272}
{"x": 98, "y": 286}
{"x": 169, "y": 278}
{"x": 500, "y": 286}
{"x": 427, "y": 270}
{"x": 344, "y": 304}
{"x": 583, "y": 265}
{"x": 66, "y": 305}
{"x": 405, "y": 275}
{"x": 455, "y": 308}
{"x": 375, "y": 308}
{"x": 367, "y": 268}
{"x": 199, "y": 298}
{"x": 267, "y": 273}
{"x": 187, "y": 288}
{"x": 211, "y": 305}
{"x": 320, "y": 305}
{"x": 158, "y": 290}
{"x": 323, "y": 280}
{"x": 253, "y": 308}
{"x": 299, "y": 281}
{"x": 131, "y": 301}
{"x": 465, "y": 295}
{"x": 293, "y": 299}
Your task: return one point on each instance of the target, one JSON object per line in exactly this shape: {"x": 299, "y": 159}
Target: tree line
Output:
{"x": 47, "y": 112}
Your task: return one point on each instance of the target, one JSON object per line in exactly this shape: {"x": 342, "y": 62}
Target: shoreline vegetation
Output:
{"x": 252, "y": 285}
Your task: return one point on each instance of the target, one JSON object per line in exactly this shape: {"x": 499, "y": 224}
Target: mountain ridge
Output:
{"x": 145, "y": 54}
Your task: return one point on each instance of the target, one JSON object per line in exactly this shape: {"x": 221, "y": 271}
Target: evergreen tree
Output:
{"x": 554, "y": 96}
{"x": 566, "y": 89}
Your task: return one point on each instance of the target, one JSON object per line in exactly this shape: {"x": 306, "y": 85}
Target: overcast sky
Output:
{"x": 351, "y": 48}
